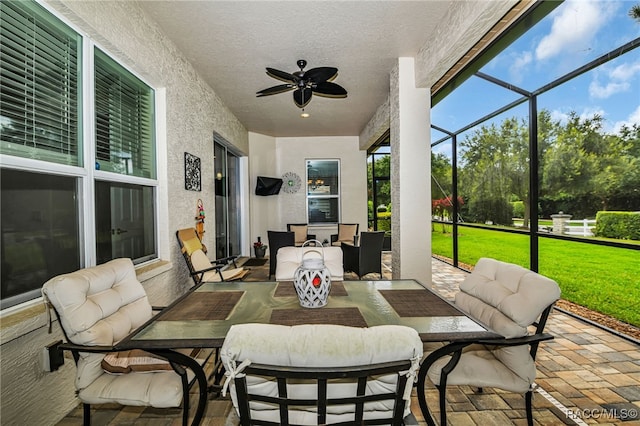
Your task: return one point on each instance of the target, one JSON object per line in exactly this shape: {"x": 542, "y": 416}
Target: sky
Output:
{"x": 572, "y": 35}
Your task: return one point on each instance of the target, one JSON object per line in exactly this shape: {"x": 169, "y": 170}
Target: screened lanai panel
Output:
{"x": 493, "y": 168}
{"x": 41, "y": 85}
{"x": 588, "y": 144}
{"x": 470, "y": 102}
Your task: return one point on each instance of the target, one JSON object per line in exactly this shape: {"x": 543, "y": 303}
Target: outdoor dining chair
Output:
{"x": 99, "y": 306}
{"x": 321, "y": 374}
{"x": 509, "y": 299}
{"x": 365, "y": 258}
{"x": 278, "y": 239}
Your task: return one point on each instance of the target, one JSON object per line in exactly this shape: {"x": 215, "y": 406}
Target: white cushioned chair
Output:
{"x": 269, "y": 366}
{"x": 290, "y": 258}
{"x": 510, "y": 300}
{"x": 99, "y": 306}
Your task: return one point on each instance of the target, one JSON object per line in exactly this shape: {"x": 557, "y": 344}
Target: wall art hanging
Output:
{"x": 192, "y": 177}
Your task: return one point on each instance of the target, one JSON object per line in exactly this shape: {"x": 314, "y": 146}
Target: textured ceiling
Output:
{"x": 231, "y": 42}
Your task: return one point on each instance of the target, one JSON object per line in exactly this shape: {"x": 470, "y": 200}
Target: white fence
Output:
{"x": 581, "y": 227}
{"x": 585, "y": 227}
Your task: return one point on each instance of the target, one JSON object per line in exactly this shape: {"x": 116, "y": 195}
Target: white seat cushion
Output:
{"x": 320, "y": 345}
{"x": 290, "y": 258}
{"x": 200, "y": 262}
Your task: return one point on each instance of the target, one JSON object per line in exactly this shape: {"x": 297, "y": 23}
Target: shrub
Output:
{"x": 621, "y": 225}
{"x": 518, "y": 209}
{"x": 384, "y": 221}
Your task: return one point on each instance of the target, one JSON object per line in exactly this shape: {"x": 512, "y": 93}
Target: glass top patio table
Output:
{"x": 202, "y": 317}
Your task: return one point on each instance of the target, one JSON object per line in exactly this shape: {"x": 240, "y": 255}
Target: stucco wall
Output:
{"x": 192, "y": 112}
{"x": 289, "y": 155}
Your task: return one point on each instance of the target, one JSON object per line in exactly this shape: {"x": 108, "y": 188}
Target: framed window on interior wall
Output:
{"x": 323, "y": 191}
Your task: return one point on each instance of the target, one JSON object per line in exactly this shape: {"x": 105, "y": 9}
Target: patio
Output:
{"x": 586, "y": 375}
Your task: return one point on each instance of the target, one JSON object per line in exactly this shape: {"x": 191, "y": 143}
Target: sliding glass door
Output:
{"x": 227, "y": 194}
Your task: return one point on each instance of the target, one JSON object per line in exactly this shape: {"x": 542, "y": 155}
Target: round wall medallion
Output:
{"x": 291, "y": 182}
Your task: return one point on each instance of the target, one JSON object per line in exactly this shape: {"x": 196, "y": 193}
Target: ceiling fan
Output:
{"x": 305, "y": 83}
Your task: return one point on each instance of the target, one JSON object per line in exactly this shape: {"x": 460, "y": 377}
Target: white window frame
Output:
{"x": 87, "y": 174}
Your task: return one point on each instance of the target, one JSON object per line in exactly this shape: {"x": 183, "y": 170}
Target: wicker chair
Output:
{"x": 365, "y": 258}
{"x": 278, "y": 239}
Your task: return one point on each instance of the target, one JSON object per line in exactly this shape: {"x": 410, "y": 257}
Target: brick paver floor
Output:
{"x": 586, "y": 375}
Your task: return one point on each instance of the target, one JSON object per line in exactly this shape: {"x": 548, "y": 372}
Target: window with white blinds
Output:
{"x": 40, "y": 99}
{"x": 63, "y": 210}
{"x": 124, "y": 108}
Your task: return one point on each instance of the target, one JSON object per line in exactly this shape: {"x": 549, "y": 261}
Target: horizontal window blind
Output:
{"x": 41, "y": 85}
{"x": 124, "y": 120}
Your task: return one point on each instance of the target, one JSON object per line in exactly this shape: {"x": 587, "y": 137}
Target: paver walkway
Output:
{"x": 586, "y": 375}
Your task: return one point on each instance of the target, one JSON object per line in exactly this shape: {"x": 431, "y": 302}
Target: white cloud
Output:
{"x": 625, "y": 71}
{"x": 574, "y": 26}
{"x": 520, "y": 62}
{"x": 634, "y": 118}
{"x": 598, "y": 91}
{"x": 619, "y": 81}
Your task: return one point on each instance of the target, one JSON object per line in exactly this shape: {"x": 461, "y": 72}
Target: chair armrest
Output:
{"x": 516, "y": 341}
{"x": 202, "y": 271}
{"x": 223, "y": 261}
{"x": 68, "y": 346}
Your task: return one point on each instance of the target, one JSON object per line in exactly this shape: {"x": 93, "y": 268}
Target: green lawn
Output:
{"x": 604, "y": 279}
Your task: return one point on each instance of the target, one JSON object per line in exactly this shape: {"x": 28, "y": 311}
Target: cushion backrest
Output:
{"x": 318, "y": 345}
{"x": 346, "y": 231}
{"x": 300, "y": 233}
{"x": 290, "y": 258}
{"x": 506, "y": 297}
{"x": 189, "y": 241}
{"x": 98, "y": 306}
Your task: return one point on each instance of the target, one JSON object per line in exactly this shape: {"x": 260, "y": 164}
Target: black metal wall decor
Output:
{"x": 192, "y": 177}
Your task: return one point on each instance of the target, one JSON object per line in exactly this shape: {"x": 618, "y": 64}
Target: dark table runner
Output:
{"x": 337, "y": 316}
{"x": 202, "y": 305}
{"x": 287, "y": 289}
{"x": 418, "y": 303}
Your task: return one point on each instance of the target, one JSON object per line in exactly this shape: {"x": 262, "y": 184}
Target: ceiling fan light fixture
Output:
{"x": 305, "y": 83}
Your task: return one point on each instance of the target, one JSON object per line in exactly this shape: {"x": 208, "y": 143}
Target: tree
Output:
{"x": 441, "y": 177}
{"x": 634, "y": 12}
{"x": 496, "y": 167}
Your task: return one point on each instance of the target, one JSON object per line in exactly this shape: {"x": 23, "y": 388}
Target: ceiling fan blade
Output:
{"x": 329, "y": 90}
{"x": 302, "y": 97}
{"x": 281, "y": 88}
{"x": 281, "y": 75}
{"x": 321, "y": 74}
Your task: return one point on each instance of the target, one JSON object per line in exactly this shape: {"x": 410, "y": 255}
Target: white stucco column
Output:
{"x": 410, "y": 175}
